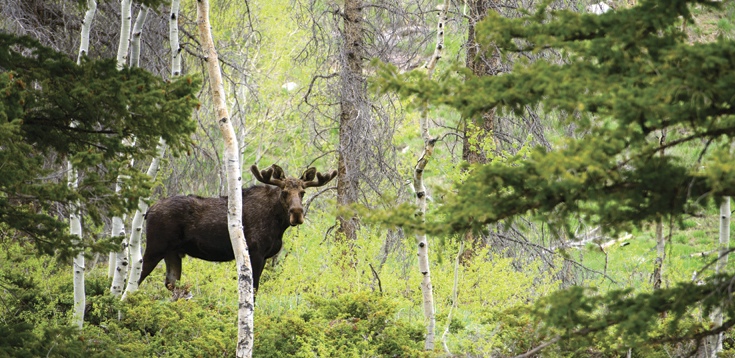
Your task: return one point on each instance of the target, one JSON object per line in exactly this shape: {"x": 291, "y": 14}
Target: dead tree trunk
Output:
{"x": 477, "y": 131}
{"x": 353, "y": 110}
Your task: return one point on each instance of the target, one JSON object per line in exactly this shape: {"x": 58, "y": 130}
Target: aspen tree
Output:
{"x": 122, "y": 259}
{"x": 609, "y": 173}
{"x": 246, "y": 307}
{"x": 724, "y": 249}
{"x": 418, "y": 184}
{"x": 353, "y": 110}
{"x": 75, "y": 224}
{"x": 133, "y": 246}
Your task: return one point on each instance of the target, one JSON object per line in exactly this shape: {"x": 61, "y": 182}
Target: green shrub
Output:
{"x": 357, "y": 324}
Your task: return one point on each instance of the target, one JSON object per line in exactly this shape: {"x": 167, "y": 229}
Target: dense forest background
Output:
{"x": 574, "y": 165}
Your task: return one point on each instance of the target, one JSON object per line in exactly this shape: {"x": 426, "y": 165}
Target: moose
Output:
{"x": 196, "y": 226}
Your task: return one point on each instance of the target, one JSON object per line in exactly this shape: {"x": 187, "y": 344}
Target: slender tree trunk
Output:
{"x": 125, "y": 22}
{"x": 75, "y": 224}
{"x": 135, "y": 241}
{"x": 724, "y": 246}
{"x": 75, "y": 227}
{"x": 136, "y": 34}
{"x": 135, "y": 247}
{"x": 477, "y": 130}
{"x": 122, "y": 259}
{"x": 353, "y": 99}
{"x": 119, "y": 259}
{"x": 136, "y": 255}
{"x": 455, "y": 294}
{"x": 246, "y": 309}
{"x": 173, "y": 35}
{"x": 658, "y": 265}
{"x": 418, "y": 184}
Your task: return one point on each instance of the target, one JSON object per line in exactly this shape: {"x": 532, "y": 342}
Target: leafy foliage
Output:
{"x": 644, "y": 101}
{"x": 629, "y": 75}
{"x": 53, "y": 109}
{"x": 307, "y": 306}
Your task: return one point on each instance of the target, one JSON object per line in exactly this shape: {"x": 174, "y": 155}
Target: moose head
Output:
{"x": 292, "y": 189}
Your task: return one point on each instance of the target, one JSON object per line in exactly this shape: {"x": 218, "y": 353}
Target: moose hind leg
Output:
{"x": 149, "y": 263}
{"x": 173, "y": 269}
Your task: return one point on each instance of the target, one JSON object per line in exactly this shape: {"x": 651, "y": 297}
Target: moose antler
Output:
{"x": 272, "y": 175}
{"x": 322, "y": 179}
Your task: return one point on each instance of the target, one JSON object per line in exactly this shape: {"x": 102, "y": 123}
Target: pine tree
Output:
{"x": 44, "y": 92}
{"x": 629, "y": 74}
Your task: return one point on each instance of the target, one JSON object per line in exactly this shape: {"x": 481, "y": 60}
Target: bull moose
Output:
{"x": 196, "y": 226}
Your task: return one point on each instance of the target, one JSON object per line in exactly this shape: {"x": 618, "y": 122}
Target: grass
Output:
{"x": 630, "y": 263}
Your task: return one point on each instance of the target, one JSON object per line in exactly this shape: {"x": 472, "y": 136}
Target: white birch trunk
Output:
{"x": 120, "y": 258}
{"x": 137, "y": 32}
{"x": 455, "y": 294}
{"x": 75, "y": 227}
{"x": 125, "y": 22}
{"x": 418, "y": 184}
{"x": 173, "y": 35}
{"x": 86, "y": 27}
{"x": 724, "y": 246}
{"x": 75, "y": 224}
{"x": 120, "y": 263}
{"x": 136, "y": 247}
{"x": 246, "y": 306}
{"x": 136, "y": 256}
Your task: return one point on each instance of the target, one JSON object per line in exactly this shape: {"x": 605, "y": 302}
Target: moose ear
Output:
{"x": 309, "y": 174}
{"x": 278, "y": 172}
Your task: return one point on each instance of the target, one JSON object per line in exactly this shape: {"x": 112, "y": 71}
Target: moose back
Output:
{"x": 196, "y": 226}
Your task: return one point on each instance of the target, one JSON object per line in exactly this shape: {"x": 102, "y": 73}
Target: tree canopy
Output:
{"x": 53, "y": 109}
{"x": 629, "y": 75}
{"x": 654, "y": 123}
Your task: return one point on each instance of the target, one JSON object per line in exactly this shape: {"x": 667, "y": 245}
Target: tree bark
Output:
{"x": 353, "y": 99}
{"x": 234, "y": 187}
{"x": 418, "y": 184}
{"x": 136, "y": 34}
{"x": 173, "y": 32}
{"x": 724, "y": 246}
{"x": 136, "y": 255}
{"x": 75, "y": 228}
{"x": 122, "y": 259}
{"x": 136, "y": 227}
{"x": 477, "y": 130}
{"x": 75, "y": 224}
{"x": 658, "y": 264}
{"x": 125, "y": 22}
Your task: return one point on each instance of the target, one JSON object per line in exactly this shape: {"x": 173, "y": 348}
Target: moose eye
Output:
{"x": 301, "y": 195}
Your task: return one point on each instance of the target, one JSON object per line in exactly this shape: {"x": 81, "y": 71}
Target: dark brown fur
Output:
{"x": 196, "y": 226}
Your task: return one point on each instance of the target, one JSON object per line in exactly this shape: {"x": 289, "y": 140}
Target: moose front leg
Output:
{"x": 258, "y": 264}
